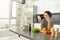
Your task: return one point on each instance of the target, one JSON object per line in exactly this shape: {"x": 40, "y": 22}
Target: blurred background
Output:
{"x": 17, "y": 13}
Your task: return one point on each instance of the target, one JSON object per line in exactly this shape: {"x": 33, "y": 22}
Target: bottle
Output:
{"x": 52, "y": 32}
{"x": 56, "y": 32}
{"x": 29, "y": 27}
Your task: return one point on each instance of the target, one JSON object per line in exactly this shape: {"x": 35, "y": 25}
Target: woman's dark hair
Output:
{"x": 49, "y": 13}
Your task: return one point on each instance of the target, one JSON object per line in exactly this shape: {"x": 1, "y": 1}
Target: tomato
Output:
{"x": 48, "y": 32}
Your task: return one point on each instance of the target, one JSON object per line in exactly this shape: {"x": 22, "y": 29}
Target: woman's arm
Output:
{"x": 49, "y": 26}
{"x": 41, "y": 24}
{"x": 49, "y": 23}
{"x": 39, "y": 20}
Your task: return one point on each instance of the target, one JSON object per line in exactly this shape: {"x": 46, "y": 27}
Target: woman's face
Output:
{"x": 46, "y": 15}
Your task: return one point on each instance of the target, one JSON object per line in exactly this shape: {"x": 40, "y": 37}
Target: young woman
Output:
{"x": 46, "y": 22}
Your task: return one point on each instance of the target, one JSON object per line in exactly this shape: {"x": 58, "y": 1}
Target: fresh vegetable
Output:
{"x": 43, "y": 30}
{"x": 35, "y": 30}
{"x": 48, "y": 32}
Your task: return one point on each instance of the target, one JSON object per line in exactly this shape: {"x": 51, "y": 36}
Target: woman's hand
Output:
{"x": 39, "y": 18}
{"x": 49, "y": 20}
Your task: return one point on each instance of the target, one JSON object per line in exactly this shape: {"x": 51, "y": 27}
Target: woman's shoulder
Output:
{"x": 44, "y": 20}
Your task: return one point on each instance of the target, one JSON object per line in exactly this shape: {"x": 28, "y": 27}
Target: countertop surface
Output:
{"x": 33, "y": 36}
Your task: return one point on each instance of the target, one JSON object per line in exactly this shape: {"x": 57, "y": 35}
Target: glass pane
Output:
{"x": 13, "y": 21}
{"x": 4, "y": 8}
{"x": 14, "y": 9}
{"x": 4, "y": 22}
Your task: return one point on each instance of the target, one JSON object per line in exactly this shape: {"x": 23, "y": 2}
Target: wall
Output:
{"x": 51, "y": 5}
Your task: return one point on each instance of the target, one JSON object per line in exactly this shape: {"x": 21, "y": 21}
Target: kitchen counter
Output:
{"x": 33, "y": 36}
